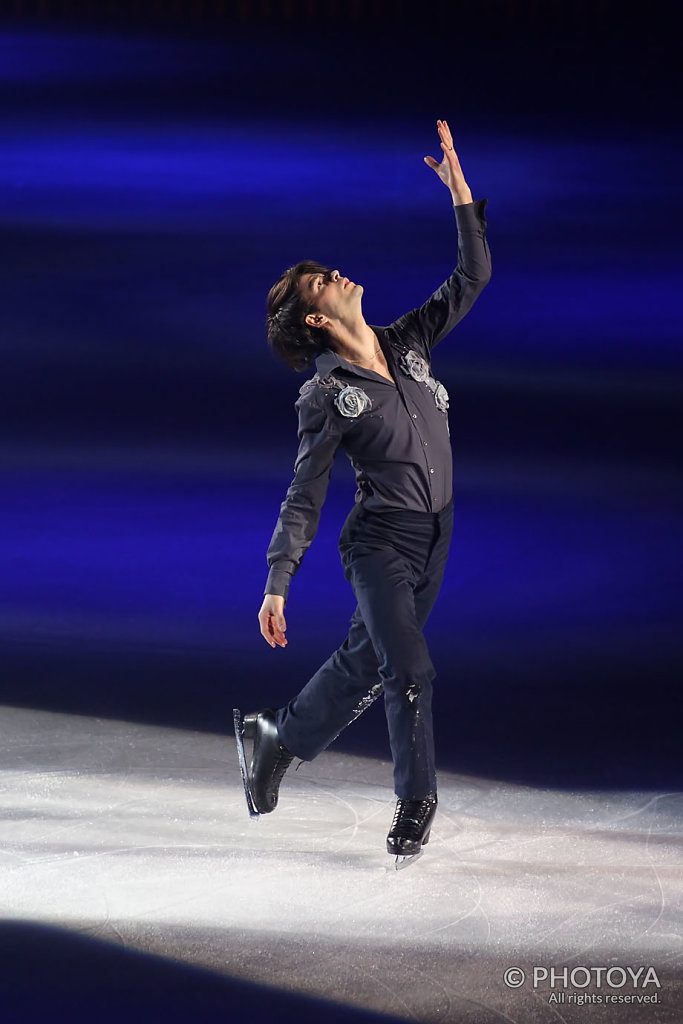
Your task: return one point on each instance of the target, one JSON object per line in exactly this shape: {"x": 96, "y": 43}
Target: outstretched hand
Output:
{"x": 449, "y": 170}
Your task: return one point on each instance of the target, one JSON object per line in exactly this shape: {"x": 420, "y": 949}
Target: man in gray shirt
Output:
{"x": 374, "y": 396}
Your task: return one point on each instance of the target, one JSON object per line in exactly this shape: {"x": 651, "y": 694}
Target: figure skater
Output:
{"x": 374, "y": 396}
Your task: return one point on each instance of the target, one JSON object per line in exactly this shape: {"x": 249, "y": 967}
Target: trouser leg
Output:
{"x": 384, "y": 585}
{"x": 385, "y": 648}
{"x": 342, "y": 688}
{"x": 412, "y": 780}
{"x": 345, "y": 685}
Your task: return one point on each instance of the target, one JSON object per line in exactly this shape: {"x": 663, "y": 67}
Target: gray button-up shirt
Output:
{"x": 395, "y": 433}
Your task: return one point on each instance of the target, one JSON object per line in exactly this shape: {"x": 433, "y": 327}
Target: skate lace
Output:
{"x": 409, "y": 818}
{"x": 281, "y": 765}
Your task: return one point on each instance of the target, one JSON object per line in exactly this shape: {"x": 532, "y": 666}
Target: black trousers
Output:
{"x": 395, "y": 562}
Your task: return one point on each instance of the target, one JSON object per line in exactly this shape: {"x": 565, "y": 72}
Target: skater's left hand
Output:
{"x": 449, "y": 170}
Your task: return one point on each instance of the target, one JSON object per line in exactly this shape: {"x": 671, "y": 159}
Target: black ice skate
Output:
{"x": 410, "y": 828}
{"x": 269, "y": 761}
{"x": 237, "y": 719}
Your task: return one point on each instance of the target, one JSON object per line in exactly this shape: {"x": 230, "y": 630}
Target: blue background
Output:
{"x": 161, "y": 165}
{"x": 158, "y": 174}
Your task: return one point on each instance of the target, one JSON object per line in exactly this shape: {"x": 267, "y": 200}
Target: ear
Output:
{"x": 315, "y": 320}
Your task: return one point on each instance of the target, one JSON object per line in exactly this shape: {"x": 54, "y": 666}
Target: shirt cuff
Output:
{"x": 278, "y": 583}
{"x": 470, "y": 216}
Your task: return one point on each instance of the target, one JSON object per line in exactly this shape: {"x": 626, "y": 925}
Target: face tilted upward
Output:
{"x": 333, "y": 296}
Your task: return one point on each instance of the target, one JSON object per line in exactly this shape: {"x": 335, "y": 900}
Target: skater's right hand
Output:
{"x": 272, "y": 620}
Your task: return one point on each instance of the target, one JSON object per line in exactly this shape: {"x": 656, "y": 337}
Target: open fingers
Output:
{"x": 445, "y": 135}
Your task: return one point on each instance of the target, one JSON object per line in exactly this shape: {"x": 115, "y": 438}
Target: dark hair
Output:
{"x": 293, "y": 340}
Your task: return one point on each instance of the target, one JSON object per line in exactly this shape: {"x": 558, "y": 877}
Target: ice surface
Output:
{"x": 140, "y": 836}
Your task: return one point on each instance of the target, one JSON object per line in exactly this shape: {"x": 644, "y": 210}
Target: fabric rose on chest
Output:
{"x": 414, "y": 365}
{"x": 352, "y": 401}
{"x": 440, "y": 397}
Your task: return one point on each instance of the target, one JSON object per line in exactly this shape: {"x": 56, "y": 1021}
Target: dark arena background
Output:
{"x": 161, "y": 164}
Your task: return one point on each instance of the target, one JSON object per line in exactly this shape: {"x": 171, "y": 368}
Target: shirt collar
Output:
{"x": 328, "y": 359}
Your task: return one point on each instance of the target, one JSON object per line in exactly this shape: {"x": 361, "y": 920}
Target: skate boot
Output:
{"x": 411, "y": 826}
{"x": 269, "y": 761}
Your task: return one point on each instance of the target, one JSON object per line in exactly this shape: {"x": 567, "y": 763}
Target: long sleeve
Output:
{"x": 431, "y": 322}
{"x": 300, "y": 511}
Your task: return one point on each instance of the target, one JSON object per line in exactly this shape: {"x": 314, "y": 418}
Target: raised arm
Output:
{"x": 426, "y": 325}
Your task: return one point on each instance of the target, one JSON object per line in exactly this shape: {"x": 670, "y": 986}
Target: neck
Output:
{"x": 359, "y": 345}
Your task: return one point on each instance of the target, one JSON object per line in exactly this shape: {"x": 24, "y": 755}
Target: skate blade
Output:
{"x": 403, "y": 862}
{"x": 237, "y": 721}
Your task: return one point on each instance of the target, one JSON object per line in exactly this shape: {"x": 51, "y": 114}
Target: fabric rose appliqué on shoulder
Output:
{"x": 413, "y": 365}
{"x": 352, "y": 401}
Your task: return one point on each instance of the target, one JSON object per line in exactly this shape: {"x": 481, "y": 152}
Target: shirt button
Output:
{"x": 435, "y": 499}
{"x": 414, "y": 415}
{"x": 424, "y": 443}
{"x": 431, "y": 469}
